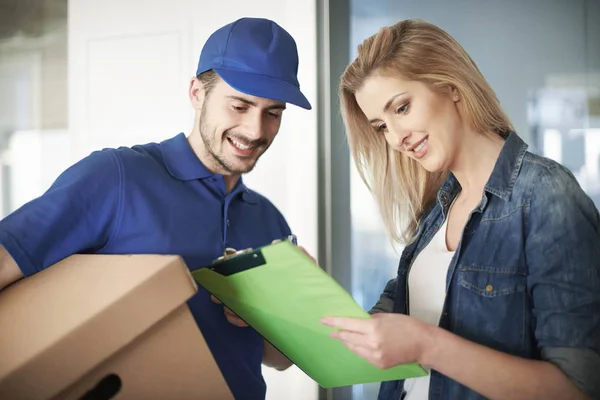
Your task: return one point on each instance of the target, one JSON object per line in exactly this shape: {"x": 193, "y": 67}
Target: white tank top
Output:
{"x": 427, "y": 292}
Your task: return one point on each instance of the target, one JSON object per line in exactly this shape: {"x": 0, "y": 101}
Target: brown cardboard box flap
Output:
{"x": 89, "y": 306}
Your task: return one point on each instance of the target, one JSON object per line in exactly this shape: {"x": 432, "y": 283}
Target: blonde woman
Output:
{"x": 500, "y": 276}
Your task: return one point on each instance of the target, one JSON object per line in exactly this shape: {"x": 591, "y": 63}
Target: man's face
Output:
{"x": 237, "y": 128}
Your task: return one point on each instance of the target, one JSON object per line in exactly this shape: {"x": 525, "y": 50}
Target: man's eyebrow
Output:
{"x": 243, "y": 100}
{"x": 387, "y": 105}
{"x": 251, "y": 103}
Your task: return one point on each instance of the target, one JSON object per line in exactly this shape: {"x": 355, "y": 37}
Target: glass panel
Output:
{"x": 34, "y": 143}
{"x": 547, "y": 79}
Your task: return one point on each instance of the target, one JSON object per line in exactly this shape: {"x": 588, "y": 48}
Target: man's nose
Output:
{"x": 254, "y": 125}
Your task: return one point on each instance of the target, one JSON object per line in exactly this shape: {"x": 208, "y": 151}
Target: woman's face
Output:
{"x": 416, "y": 121}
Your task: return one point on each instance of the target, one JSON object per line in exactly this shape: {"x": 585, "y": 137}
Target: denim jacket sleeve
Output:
{"x": 386, "y": 299}
{"x": 563, "y": 258}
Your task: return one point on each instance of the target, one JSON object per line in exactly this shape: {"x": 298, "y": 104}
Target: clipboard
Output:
{"x": 282, "y": 294}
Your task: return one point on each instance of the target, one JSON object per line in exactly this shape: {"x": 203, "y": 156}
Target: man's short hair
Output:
{"x": 208, "y": 79}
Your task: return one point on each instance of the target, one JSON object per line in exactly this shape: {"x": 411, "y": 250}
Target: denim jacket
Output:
{"x": 525, "y": 278}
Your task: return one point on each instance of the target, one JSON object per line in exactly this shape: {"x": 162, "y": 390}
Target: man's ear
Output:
{"x": 197, "y": 93}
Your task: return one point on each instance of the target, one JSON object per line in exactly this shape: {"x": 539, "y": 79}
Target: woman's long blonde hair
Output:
{"x": 418, "y": 51}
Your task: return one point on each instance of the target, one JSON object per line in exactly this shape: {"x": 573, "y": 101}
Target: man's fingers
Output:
{"x": 302, "y": 249}
{"x": 237, "y": 322}
{"x": 228, "y": 311}
{"x": 234, "y": 319}
{"x": 231, "y": 317}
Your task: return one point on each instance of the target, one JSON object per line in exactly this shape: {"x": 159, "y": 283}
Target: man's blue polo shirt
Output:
{"x": 156, "y": 198}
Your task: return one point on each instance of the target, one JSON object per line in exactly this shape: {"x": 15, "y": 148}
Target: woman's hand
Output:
{"x": 385, "y": 340}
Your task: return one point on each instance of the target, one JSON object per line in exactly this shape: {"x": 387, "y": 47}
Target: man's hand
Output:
{"x": 308, "y": 254}
{"x": 230, "y": 315}
{"x": 273, "y": 358}
{"x": 9, "y": 271}
{"x": 302, "y": 249}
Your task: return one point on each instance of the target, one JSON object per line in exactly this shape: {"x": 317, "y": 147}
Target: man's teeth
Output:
{"x": 240, "y": 145}
{"x": 420, "y": 147}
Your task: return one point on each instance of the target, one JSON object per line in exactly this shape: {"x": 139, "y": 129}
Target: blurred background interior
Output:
{"x": 79, "y": 75}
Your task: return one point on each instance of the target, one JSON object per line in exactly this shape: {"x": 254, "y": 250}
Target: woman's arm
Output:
{"x": 493, "y": 374}
{"x": 386, "y": 299}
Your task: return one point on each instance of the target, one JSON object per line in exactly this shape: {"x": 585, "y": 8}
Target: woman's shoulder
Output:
{"x": 540, "y": 174}
{"x": 535, "y": 165}
{"x": 546, "y": 183}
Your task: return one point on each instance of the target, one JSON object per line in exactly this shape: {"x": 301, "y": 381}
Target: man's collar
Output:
{"x": 183, "y": 164}
{"x": 181, "y": 161}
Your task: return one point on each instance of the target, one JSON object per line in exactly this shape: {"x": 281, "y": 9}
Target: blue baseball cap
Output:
{"x": 257, "y": 57}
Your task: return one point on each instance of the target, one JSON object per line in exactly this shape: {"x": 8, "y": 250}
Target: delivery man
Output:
{"x": 182, "y": 196}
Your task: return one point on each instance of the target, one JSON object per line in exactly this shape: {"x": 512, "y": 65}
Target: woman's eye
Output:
{"x": 403, "y": 109}
{"x": 381, "y": 128}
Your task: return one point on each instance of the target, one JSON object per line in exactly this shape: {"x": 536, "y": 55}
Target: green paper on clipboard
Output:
{"x": 283, "y": 295}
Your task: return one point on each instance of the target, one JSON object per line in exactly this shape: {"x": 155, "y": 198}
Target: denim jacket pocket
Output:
{"x": 491, "y": 307}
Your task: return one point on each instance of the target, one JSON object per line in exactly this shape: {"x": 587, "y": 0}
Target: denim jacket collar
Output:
{"x": 507, "y": 167}
{"x": 503, "y": 176}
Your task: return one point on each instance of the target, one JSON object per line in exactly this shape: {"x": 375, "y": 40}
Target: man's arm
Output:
{"x": 78, "y": 213}
{"x": 271, "y": 356}
{"x": 9, "y": 271}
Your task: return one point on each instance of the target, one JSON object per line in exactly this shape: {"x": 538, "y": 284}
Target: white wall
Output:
{"x": 516, "y": 44}
{"x": 36, "y": 158}
{"x": 129, "y": 68}
{"x": 20, "y": 90}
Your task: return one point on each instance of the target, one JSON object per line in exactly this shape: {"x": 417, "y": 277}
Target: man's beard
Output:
{"x": 209, "y": 138}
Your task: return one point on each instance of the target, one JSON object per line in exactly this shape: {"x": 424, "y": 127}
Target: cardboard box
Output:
{"x": 105, "y": 327}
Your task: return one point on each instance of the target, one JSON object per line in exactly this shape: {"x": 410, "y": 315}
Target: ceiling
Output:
{"x": 31, "y": 19}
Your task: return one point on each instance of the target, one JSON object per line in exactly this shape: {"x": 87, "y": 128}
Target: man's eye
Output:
{"x": 239, "y": 108}
{"x": 274, "y": 115}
